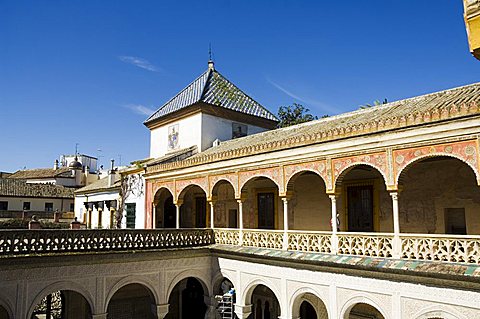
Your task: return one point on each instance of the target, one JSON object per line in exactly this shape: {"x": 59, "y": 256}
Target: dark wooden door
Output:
{"x": 266, "y": 210}
{"x": 360, "y": 208}
{"x": 200, "y": 212}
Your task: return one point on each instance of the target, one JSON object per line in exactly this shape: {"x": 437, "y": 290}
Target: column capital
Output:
{"x": 100, "y": 316}
{"x": 178, "y": 202}
{"x": 243, "y": 312}
{"x": 162, "y": 310}
{"x": 394, "y": 195}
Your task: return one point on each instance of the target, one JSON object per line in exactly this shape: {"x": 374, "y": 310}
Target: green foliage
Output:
{"x": 294, "y": 114}
{"x": 375, "y": 103}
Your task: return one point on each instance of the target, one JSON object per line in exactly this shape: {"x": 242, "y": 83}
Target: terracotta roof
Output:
{"x": 42, "y": 173}
{"x": 212, "y": 88}
{"x": 20, "y": 188}
{"x": 100, "y": 185}
{"x": 425, "y": 109}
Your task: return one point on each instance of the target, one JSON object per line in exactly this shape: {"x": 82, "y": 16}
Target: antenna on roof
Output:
{"x": 210, "y": 61}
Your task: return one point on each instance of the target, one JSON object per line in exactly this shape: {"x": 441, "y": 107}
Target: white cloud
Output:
{"x": 310, "y": 102}
{"x": 140, "y": 62}
{"x": 140, "y": 109}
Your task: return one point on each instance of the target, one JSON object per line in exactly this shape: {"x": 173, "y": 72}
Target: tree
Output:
{"x": 294, "y": 114}
{"x": 129, "y": 185}
{"x": 375, "y": 103}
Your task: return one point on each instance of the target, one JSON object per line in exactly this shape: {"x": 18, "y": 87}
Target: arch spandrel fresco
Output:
{"x": 376, "y": 160}
{"x": 232, "y": 178}
{"x": 318, "y": 167}
{"x": 201, "y": 182}
{"x": 273, "y": 173}
{"x": 466, "y": 151}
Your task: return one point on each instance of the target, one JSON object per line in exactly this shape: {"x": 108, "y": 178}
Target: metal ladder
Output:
{"x": 225, "y": 306}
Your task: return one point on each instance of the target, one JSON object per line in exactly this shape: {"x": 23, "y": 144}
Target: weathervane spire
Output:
{"x": 210, "y": 61}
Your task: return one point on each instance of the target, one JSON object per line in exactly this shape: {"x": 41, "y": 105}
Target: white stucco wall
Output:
{"x": 37, "y": 204}
{"x": 137, "y": 198}
{"x": 214, "y": 127}
{"x": 189, "y": 134}
{"x": 198, "y": 129}
{"x": 80, "y": 209}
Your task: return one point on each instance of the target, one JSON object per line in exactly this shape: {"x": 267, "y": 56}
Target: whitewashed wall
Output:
{"x": 214, "y": 127}
{"x": 189, "y": 134}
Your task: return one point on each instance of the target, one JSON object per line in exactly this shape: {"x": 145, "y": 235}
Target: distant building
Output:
{"x": 71, "y": 173}
{"x": 97, "y": 204}
{"x": 21, "y": 199}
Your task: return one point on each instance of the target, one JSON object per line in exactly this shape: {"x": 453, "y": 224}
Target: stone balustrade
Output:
{"x": 23, "y": 242}
{"x": 429, "y": 247}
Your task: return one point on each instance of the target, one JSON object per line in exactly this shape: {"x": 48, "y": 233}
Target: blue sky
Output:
{"x": 88, "y": 72}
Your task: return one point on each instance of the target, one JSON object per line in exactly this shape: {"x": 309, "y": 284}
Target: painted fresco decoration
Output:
{"x": 318, "y": 167}
{"x": 173, "y": 137}
{"x": 376, "y": 160}
{"x": 230, "y": 178}
{"x": 201, "y": 182}
{"x": 272, "y": 173}
{"x": 465, "y": 151}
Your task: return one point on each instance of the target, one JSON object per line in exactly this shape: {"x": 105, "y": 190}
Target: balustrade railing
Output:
{"x": 227, "y": 236}
{"x": 450, "y": 248}
{"x": 263, "y": 238}
{"x": 431, "y": 247}
{"x": 362, "y": 244}
{"x": 21, "y": 242}
{"x": 310, "y": 241}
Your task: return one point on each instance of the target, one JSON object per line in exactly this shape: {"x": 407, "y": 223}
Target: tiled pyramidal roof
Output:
{"x": 213, "y": 88}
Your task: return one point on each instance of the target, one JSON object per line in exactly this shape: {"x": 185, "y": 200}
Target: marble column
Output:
{"x": 333, "y": 221}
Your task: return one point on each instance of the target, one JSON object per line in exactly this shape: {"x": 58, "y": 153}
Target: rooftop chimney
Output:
{"x": 55, "y": 165}
{"x": 111, "y": 174}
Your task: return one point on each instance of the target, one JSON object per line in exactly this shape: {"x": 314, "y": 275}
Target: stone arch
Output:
{"x": 250, "y": 287}
{"x": 352, "y": 302}
{"x": 341, "y": 174}
{"x": 289, "y": 183}
{"x": 256, "y": 176}
{"x": 160, "y": 189}
{"x": 6, "y": 306}
{"x": 214, "y": 183}
{"x": 182, "y": 191}
{"x": 299, "y": 296}
{"x": 201, "y": 277}
{"x": 62, "y": 285}
{"x": 218, "y": 278}
{"x": 128, "y": 281}
{"x": 438, "y": 311}
{"x": 398, "y": 176}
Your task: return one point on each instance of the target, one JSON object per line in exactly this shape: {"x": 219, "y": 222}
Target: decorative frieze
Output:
{"x": 466, "y": 151}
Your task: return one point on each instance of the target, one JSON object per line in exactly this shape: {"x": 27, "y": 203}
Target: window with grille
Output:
{"x": 130, "y": 208}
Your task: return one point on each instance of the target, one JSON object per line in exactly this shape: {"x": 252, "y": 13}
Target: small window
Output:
{"x": 49, "y": 207}
{"x": 3, "y": 205}
{"x": 26, "y": 205}
{"x": 455, "y": 221}
{"x": 239, "y": 130}
{"x": 130, "y": 208}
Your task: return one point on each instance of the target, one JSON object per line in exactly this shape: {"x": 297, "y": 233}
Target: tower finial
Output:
{"x": 210, "y": 61}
